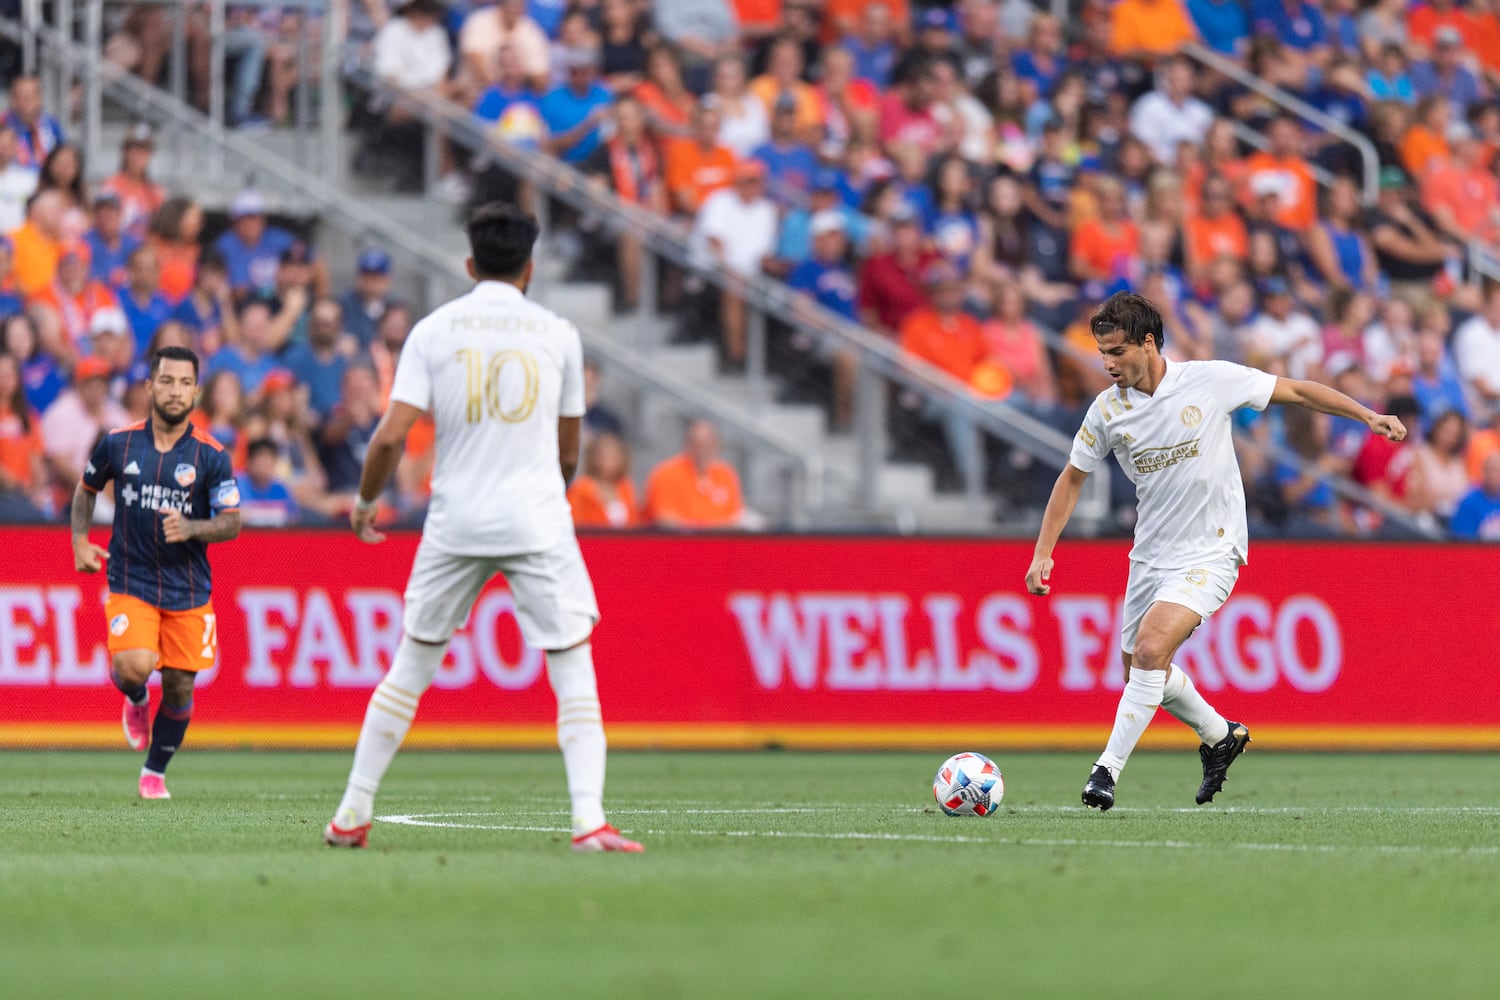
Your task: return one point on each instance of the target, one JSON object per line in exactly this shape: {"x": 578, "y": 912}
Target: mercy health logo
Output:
{"x": 1009, "y": 642}
{"x": 155, "y": 496}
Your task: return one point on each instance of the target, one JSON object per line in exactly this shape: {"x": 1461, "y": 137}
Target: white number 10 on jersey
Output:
{"x": 484, "y": 384}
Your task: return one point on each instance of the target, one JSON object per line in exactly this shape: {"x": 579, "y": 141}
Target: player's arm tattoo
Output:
{"x": 219, "y": 528}
{"x": 83, "y": 509}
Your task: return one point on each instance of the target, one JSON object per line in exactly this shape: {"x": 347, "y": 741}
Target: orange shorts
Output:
{"x": 183, "y": 640}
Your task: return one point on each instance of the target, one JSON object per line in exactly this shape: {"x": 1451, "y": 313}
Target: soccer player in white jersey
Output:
{"x": 503, "y": 379}
{"x": 1168, "y": 424}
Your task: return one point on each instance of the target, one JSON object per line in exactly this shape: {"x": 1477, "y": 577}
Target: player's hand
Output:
{"x": 1037, "y": 577}
{"x": 363, "y": 522}
{"x": 87, "y": 557}
{"x": 1388, "y": 427}
{"x": 174, "y": 526}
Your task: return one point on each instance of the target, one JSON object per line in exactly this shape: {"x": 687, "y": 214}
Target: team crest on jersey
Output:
{"x": 185, "y": 475}
{"x": 1191, "y": 416}
{"x": 229, "y": 493}
{"x": 118, "y": 624}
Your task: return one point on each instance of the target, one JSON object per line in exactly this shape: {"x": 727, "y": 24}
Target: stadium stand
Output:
{"x": 965, "y": 180}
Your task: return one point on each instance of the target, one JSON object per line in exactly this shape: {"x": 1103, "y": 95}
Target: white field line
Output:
{"x": 445, "y": 821}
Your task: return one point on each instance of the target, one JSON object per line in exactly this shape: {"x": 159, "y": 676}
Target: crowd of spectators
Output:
{"x": 971, "y": 179}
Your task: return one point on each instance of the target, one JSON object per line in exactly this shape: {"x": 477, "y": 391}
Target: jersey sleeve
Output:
{"x": 1240, "y": 386}
{"x": 1090, "y": 446}
{"x": 572, "y": 404}
{"x": 224, "y": 489}
{"x": 412, "y": 384}
{"x": 99, "y": 469}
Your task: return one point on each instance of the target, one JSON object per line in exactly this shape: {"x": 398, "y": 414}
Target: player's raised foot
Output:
{"x": 1099, "y": 792}
{"x": 136, "y": 721}
{"x": 606, "y": 839}
{"x": 154, "y": 786}
{"x": 1217, "y": 758}
{"x": 345, "y": 830}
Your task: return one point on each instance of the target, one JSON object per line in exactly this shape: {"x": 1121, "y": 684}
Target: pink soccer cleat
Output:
{"x": 136, "y": 721}
{"x": 607, "y": 839}
{"x": 337, "y": 836}
{"x": 154, "y": 786}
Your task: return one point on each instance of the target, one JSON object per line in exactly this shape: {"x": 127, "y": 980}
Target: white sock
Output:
{"x": 1180, "y": 697}
{"x": 580, "y": 733}
{"x": 1138, "y": 703}
{"x": 388, "y": 717}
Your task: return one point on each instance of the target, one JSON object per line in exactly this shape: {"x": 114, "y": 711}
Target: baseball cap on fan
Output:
{"x": 247, "y": 203}
{"x": 374, "y": 262}
{"x": 826, "y": 221}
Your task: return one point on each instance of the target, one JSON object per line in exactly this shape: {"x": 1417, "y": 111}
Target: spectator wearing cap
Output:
{"x": 367, "y": 301}
{"x": 37, "y": 245}
{"x": 1445, "y": 73}
{"x": 1407, "y": 244}
{"x": 936, "y": 29}
{"x": 1477, "y": 517}
{"x": 941, "y": 333}
{"x": 1144, "y": 29}
{"x": 1476, "y": 349}
{"x": 141, "y": 299}
{"x": 906, "y": 112}
{"x": 280, "y": 415}
{"x": 72, "y": 424}
{"x": 63, "y": 310}
{"x": 1171, "y": 115}
{"x": 629, "y": 163}
{"x": 109, "y": 244}
{"x": 1461, "y": 193}
{"x": 41, "y": 377}
{"x": 207, "y": 311}
{"x": 296, "y": 290}
{"x": 574, "y": 111}
{"x": 782, "y": 82}
{"x": 1425, "y": 19}
{"x": 663, "y": 95}
{"x": 488, "y": 29}
{"x": 265, "y": 500}
{"x": 319, "y": 362}
{"x": 890, "y": 283}
{"x": 110, "y": 340}
{"x": 17, "y": 181}
{"x": 872, "y": 44}
{"x": 698, "y": 165}
{"x": 139, "y": 196}
{"x": 736, "y": 230}
{"x": 173, "y": 233}
{"x": 251, "y": 248}
{"x": 1282, "y": 170}
{"x": 23, "y": 467}
{"x": 789, "y": 162}
{"x": 37, "y": 132}
{"x": 824, "y": 276}
{"x": 794, "y": 244}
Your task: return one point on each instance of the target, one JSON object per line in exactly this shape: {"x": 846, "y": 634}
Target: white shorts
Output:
{"x": 554, "y": 596}
{"x": 1203, "y": 588}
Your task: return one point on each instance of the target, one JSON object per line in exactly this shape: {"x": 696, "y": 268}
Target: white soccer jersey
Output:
{"x": 1177, "y": 448}
{"x": 496, "y": 371}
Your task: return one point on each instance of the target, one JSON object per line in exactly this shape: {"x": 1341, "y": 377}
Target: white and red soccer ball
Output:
{"x": 968, "y": 784}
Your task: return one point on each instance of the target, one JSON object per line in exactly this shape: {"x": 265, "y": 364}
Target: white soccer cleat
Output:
{"x": 154, "y": 786}
{"x": 136, "y": 721}
{"x": 607, "y": 839}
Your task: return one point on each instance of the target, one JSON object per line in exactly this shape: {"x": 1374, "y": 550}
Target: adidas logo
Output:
{"x": 132, "y": 469}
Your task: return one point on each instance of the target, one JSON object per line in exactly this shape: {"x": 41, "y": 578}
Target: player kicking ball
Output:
{"x": 503, "y": 379}
{"x": 174, "y": 494}
{"x": 1168, "y": 425}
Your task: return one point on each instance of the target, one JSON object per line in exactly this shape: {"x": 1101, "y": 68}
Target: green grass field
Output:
{"x": 767, "y": 875}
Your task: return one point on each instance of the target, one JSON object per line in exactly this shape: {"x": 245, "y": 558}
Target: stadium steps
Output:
{"x": 907, "y": 496}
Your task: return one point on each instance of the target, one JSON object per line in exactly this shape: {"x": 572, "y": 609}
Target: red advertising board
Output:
{"x": 720, "y": 641}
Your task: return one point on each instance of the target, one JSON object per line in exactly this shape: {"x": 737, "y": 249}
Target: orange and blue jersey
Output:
{"x": 194, "y": 477}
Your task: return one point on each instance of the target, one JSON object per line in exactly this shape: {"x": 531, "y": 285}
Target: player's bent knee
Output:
{"x": 134, "y": 665}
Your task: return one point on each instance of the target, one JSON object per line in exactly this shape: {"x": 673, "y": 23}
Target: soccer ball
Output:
{"x": 968, "y": 784}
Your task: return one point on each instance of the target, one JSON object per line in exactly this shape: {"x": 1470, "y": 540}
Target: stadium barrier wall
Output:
{"x": 744, "y": 642}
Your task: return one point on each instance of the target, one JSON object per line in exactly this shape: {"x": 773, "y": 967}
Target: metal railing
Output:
{"x": 804, "y": 469}
{"x": 881, "y": 362}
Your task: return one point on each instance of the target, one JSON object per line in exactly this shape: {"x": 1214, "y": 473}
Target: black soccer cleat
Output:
{"x": 1217, "y": 758}
{"x": 1099, "y": 793}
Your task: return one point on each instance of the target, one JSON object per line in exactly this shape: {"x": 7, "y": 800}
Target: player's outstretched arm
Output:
{"x": 87, "y": 557}
{"x": 1326, "y": 399}
{"x": 1060, "y": 504}
{"x": 386, "y": 447}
